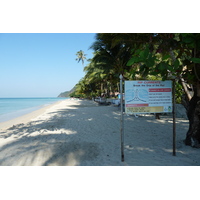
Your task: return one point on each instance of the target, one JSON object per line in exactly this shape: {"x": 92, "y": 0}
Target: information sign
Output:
{"x": 146, "y": 96}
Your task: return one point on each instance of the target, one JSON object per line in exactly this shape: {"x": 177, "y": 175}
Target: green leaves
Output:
{"x": 163, "y": 66}
{"x": 138, "y": 56}
{"x": 145, "y": 53}
{"x": 195, "y": 60}
{"x": 150, "y": 62}
{"x": 176, "y": 64}
{"x": 144, "y": 56}
{"x": 166, "y": 57}
{"x": 133, "y": 60}
{"x": 188, "y": 39}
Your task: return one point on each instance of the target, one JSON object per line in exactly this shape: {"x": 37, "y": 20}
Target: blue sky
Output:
{"x": 41, "y": 64}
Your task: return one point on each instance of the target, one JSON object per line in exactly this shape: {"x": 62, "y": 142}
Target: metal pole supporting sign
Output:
{"x": 122, "y": 120}
{"x": 174, "y": 118}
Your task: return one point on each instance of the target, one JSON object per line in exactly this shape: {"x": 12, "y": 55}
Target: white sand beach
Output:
{"x": 82, "y": 133}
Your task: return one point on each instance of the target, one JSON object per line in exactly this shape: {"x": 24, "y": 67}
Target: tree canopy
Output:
{"x": 141, "y": 55}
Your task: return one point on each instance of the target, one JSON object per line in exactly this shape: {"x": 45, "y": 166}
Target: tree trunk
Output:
{"x": 193, "y": 113}
{"x": 193, "y": 134}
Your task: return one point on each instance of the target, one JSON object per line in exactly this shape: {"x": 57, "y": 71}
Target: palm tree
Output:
{"x": 112, "y": 58}
{"x": 81, "y": 56}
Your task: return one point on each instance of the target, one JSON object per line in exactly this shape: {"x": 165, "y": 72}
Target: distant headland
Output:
{"x": 67, "y": 93}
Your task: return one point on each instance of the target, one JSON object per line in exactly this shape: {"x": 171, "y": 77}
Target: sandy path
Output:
{"x": 82, "y": 133}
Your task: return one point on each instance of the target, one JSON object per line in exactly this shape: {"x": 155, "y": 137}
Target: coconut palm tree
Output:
{"x": 81, "y": 56}
{"x": 112, "y": 56}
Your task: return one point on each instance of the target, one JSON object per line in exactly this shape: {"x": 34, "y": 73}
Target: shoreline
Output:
{"x": 25, "y": 118}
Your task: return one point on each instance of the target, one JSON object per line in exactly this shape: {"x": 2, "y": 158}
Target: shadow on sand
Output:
{"x": 75, "y": 135}
{"x": 57, "y": 143}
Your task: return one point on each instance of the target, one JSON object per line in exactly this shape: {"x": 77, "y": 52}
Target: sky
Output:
{"x": 41, "y": 64}
{"x": 38, "y": 44}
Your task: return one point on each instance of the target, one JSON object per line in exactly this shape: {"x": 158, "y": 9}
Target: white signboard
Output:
{"x": 146, "y": 96}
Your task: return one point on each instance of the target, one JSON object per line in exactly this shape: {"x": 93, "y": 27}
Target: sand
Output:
{"x": 82, "y": 133}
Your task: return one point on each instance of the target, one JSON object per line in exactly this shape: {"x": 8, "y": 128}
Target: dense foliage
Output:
{"x": 138, "y": 56}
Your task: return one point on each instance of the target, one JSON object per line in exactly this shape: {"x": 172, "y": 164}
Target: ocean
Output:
{"x": 11, "y": 108}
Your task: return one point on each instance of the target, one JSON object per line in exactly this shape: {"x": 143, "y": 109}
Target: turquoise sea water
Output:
{"x": 14, "y": 107}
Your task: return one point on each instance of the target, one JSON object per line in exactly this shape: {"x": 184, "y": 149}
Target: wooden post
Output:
{"x": 122, "y": 120}
{"x": 174, "y": 119}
